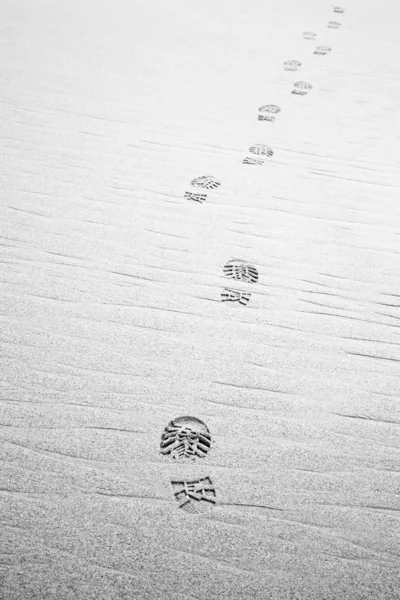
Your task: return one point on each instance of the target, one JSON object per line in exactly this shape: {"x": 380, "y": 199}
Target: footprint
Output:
{"x": 229, "y": 295}
{"x": 301, "y": 88}
{"x": 259, "y": 150}
{"x": 194, "y": 496}
{"x": 309, "y": 35}
{"x": 237, "y": 269}
{"x": 205, "y": 182}
{"x": 291, "y": 65}
{"x": 322, "y": 50}
{"x": 338, "y": 9}
{"x": 186, "y": 438}
{"x": 334, "y": 24}
{"x": 268, "y": 112}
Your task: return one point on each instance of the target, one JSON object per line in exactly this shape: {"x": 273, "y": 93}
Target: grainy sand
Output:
{"x": 112, "y": 323}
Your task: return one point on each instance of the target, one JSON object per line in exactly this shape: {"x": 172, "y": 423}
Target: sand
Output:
{"x": 112, "y": 319}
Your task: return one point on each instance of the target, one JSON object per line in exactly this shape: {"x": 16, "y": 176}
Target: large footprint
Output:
{"x": 187, "y": 439}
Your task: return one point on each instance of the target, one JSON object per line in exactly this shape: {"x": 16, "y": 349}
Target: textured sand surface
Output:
{"x": 112, "y": 323}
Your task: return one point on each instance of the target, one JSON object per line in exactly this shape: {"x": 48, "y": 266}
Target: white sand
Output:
{"x": 111, "y": 319}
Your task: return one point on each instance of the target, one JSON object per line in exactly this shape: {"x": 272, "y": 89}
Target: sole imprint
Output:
{"x": 261, "y": 150}
{"x": 186, "y": 438}
{"x": 239, "y": 270}
{"x": 206, "y": 182}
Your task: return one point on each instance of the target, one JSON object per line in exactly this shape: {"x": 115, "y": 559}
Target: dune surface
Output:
{"x": 200, "y": 218}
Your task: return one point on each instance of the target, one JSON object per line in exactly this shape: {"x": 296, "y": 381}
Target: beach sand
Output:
{"x": 112, "y": 319}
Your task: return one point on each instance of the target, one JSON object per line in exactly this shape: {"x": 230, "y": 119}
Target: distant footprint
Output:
{"x": 239, "y": 270}
{"x": 334, "y": 24}
{"x": 261, "y": 151}
{"x": 194, "y": 496}
{"x": 229, "y": 295}
{"x": 268, "y": 112}
{"x": 291, "y": 65}
{"x": 186, "y": 438}
{"x": 322, "y": 50}
{"x": 205, "y": 182}
{"x": 301, "y": 88}
{"x": 309, "y": 35}
{"x": 338, "y": 9}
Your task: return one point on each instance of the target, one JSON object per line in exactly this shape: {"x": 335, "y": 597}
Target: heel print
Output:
{"x": 229, "y": 295}
{"x": 195, "y": 496}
